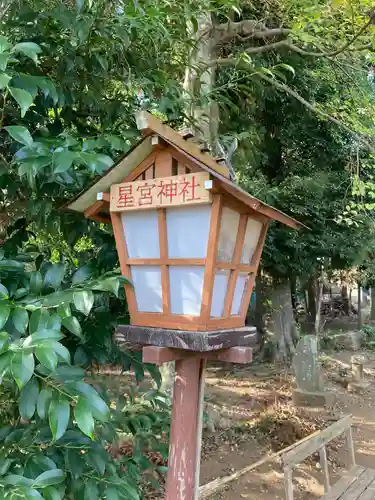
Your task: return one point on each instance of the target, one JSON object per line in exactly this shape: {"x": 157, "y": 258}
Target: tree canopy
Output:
{"x": 282, "y": 88}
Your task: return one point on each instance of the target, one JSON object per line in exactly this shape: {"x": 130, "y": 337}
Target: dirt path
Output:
{"x": 255, "y": 394}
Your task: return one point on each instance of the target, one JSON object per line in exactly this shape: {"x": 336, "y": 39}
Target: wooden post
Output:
{"x": 202, "y": 374}
{"x": 182, "y": 467}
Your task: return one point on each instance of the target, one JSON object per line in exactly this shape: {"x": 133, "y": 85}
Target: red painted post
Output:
{"x": 186, "y": 412}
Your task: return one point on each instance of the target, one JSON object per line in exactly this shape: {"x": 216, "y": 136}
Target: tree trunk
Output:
{"x": 260, "y": 309}
{"x": 199, "y": 82}
{"x": 167, "y": 371}
{"x": 282, "y": 324}
{"x": 360, "y": 322}
{"x": 318, "y": 306}
{"x": 293, "y": 291}
{"x": 311, "y": 303}
{"x": 345, "y": 299}
{"x": 372, "y": 313}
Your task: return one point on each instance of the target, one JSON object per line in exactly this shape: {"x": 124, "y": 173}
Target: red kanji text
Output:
{"x": 168, "y": 190}
{"x": 126, "y": 198}
{"x": 188, "y": 189}
{"x": 145, "y": 194}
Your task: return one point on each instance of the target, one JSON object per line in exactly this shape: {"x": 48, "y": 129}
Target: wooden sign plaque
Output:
{"x": 177, "y": 190}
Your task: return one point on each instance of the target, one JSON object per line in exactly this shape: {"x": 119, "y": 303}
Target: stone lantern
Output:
{"x": 189, "y": 240}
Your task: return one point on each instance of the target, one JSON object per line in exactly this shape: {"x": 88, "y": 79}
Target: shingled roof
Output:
{"x": 150, "y": 126}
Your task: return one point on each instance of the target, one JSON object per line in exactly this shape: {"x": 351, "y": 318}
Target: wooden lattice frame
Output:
{"x": 204, "y": 321}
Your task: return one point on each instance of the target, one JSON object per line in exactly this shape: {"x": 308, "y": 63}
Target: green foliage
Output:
{"x": 369, "y": 332}
{"x": 54, "y": 411}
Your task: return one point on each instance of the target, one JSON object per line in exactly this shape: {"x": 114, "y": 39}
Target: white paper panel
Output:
{"x": 238, "y": 293}
{"x": 141, "y": 234}
{"x": 220, "y": 291}
{"x": 228, "y": 234}
{"x": 186, "y": 289}
{"x": 187, "y": 231}
{"x": 147, "y": 285}
{"x": 252, "y": 234}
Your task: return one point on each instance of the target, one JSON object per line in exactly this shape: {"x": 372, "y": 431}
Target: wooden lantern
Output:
{"x": 188, "y": 239}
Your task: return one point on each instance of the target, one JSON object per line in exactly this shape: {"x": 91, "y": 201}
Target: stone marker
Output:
{"x": 352, "y": 340}
{"x": 310, "y": 389}
{"x": 358, "y": 383}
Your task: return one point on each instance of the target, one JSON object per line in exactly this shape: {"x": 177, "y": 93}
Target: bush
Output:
{"x": 56, "y": 423}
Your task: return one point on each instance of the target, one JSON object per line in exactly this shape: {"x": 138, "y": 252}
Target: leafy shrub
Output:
{"x": 369, "y": 332}
{"x": 56, "y": 422}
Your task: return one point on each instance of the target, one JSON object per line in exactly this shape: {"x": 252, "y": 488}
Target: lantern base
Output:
{"x": 187, "y": 340}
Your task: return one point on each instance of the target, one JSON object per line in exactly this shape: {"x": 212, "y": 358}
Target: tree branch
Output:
{"x": 254, "y": 29}
{"x": 286, "y": 44}
{"x": 315, "y": 110}
{"x": 246, "y": 29}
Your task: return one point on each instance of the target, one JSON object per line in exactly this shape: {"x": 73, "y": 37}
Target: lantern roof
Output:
{"x": 152, "y": 129}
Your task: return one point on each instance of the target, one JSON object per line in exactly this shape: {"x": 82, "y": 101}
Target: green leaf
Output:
{"x": 99, "y": 460}
{"x": 28, "y": 399}
{"x": 59, "y": 413}
{"x": 47, "y": 356}
{"x": 53, "y": 322}
{"x": 287, "y": 67}
{"x": 91, "y": 490}
{"x": 54, "y": 275}
{"x": 42, "y": 337}
{"x": 31, "y": 493}
{"x": 111, "y": 493}
{"x": 58, "y": 298}
{"x": 36, "y": 282}
{"x": 108, "y": 285}
{"x": 61, "y": 351}
{"x": 69, "y": 373}
{"x": 4, "y": 337}
{"x": 49, "y": 478}
{"x": 81, "y": 357}
{"x": 4, "y": 294}
{"x": 4, "y": 80}
{"x": 63, "y": 160}
{"x": 5, "y": 464}
{"x": 20, "y": 319}
{"x": 154, "y": 371}
{"x": 4, "y": 313}
{"x": 48, "y": 89}
{"x": 4, "y": 59}
{"x": 99, "y": 163}
{"x": 99, "y": 408}
{"x": 51, "y": 493}
{"x": 11, "y": 265}
{"x": 20, "y": 293}
{"x": 75, "y": 464}
{"x": 43, "y": 402}
{"x": 71, "y": 323}
{"x": 20, "y": 134}
{"x": 81, "y": 275}
{"x": 84, "y": 300}
{"x": 22, "y": 368}
{"x": 64, "y": 311}
{"x": 30, "y": 49}
{"x": 23, "y": 98}
{"x": 80, "y": 4}
{"x": 4, "y": 43}
{"x": 116, "y": 142}
{"x": 38, "y": 320}
{"x": 84, "y": 418}
{"x": 5, "y": 362}
{"x": 16, "y": 480}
